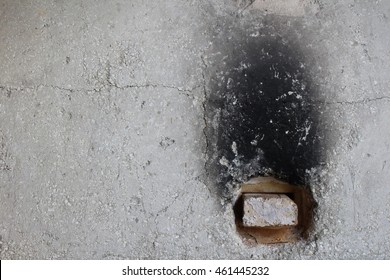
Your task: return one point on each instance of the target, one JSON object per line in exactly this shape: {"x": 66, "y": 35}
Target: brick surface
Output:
{"x": 269, "y": 210}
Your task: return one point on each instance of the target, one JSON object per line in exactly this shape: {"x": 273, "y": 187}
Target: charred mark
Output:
{"x": 262, "y": 109}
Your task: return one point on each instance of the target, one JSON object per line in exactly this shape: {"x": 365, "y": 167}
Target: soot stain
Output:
{"x": 261, "y": 108}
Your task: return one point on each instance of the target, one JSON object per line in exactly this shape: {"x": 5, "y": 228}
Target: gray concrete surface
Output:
{"x": 103, "y": 129}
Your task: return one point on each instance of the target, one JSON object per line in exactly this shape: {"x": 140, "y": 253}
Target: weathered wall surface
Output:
{"x": 119, "y": 135}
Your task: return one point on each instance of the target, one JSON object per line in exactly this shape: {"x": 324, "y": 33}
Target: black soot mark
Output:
{"x": 261, "y": 109}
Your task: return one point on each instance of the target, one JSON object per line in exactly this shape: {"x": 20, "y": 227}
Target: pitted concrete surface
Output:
{"x": 104, "y": 128}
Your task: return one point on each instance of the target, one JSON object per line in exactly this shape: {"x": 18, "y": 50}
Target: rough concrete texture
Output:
{"x": 269, "y": 210}
{"x": 104, "y": 127}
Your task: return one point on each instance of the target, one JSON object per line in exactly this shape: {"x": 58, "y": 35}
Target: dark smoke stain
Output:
{"x": 261, "y": 108}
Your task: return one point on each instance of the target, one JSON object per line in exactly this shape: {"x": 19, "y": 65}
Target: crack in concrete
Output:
{"x": 240, "y": 11}
{"x": 184, "y": 91}
{"x": 364, "y": 101}
{"x": 354, "y": 102}
{"x": 205, "y": 128}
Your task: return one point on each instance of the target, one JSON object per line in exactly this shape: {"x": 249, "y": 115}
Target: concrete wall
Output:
{"x": 111, "y": 135}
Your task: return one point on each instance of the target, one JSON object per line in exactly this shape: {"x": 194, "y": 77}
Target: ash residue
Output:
{"x": 261, "y": 106}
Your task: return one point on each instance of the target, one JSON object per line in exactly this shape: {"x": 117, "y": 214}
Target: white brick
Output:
{"x": 269, "y": 210}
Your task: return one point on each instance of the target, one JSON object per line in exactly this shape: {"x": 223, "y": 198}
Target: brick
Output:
{"x": 269, "y": 210}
